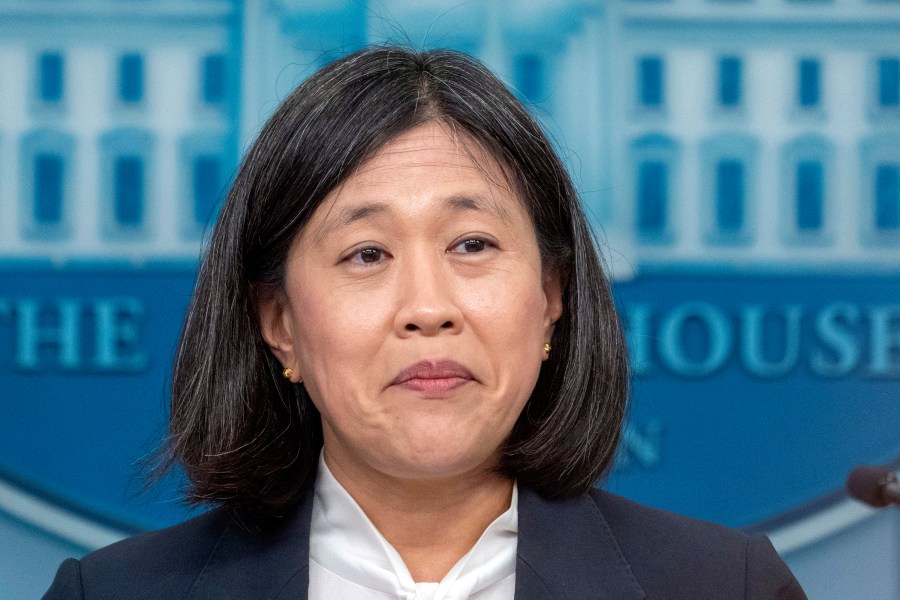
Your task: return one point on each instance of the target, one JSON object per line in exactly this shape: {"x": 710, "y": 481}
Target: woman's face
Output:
{"x": 416, "y": 310}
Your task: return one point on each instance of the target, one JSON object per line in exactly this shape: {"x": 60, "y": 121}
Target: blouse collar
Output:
{"x": 344, "y": 541}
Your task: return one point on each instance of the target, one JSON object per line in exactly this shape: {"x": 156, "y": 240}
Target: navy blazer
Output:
{"x": 594, "y": 546}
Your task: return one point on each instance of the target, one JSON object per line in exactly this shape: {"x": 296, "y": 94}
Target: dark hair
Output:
{"x": 247, "y": 438}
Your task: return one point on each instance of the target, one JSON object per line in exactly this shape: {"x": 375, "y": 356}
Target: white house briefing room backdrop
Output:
{"x": 739, "y": 160}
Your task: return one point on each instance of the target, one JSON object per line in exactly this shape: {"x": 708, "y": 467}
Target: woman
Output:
{"x": 402, "y": 371}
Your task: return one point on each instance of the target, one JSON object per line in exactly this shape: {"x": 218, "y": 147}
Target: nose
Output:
{"x": 427, "y": 304}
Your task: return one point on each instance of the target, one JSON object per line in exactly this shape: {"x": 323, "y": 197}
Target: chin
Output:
{"x": 435, "y": 462}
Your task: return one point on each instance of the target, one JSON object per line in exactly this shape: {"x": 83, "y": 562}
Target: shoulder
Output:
{"x": 161, "y": 563}
{"x": 215, "y": 555}
{"x": 646, "y": 530}
{"x": 673, "y": 555}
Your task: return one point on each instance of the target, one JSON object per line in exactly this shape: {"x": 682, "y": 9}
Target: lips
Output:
{"x": 439, "y": 375}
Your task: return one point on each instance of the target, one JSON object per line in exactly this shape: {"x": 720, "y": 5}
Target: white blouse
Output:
{"x": 350, "y": 560}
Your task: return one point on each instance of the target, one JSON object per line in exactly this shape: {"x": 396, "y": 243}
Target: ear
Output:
{"x": 553, "y": 293}
{"x": 275, "y": 324}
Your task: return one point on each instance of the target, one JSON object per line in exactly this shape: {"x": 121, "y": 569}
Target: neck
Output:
{"x": 431, "y": 523}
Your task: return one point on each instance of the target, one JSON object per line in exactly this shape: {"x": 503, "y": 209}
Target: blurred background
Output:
{"x": 739, "y": 160}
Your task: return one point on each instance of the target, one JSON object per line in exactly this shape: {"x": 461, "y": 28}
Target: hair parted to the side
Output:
{"x": 247, "y": 438}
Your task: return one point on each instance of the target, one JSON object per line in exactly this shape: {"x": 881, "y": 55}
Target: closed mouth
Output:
{"x": 434, "y": 374}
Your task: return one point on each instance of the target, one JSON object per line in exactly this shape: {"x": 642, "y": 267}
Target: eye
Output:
{"x": 470, "y": 246}
{"x": 367, "y": 256}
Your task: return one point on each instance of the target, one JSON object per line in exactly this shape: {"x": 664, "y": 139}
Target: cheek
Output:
{"x": 508, "y": 319}
{"x": 337, "y": 335}
{"x": 513, "y": 309}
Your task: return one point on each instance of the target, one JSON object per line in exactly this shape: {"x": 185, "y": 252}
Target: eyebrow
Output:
{"x": 479, "y": 204}
{"x": 458, "y": 203}
{"x": 351, "y": 215}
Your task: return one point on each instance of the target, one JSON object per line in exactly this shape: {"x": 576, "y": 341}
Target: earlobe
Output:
{"x": 553, "y": 294}
{"x": 274, "y": 324}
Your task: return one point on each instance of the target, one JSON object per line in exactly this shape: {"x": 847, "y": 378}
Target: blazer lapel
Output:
{"x": 566, "y": 550}
{"x": 272, "y": 564}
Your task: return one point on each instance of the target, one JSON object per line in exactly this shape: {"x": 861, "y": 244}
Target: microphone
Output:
{"x": 876, "y": 486}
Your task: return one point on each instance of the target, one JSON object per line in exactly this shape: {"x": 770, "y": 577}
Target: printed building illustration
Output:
{"x": 737, "y": 133}
{"x": 115, "y": 127}
{"x": 759, "y": 132}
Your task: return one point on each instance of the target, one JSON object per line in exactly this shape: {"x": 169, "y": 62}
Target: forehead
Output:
{"x": 427, "y": 166}
{"x": 436, "y": 147}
